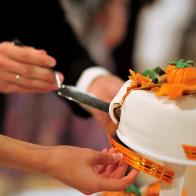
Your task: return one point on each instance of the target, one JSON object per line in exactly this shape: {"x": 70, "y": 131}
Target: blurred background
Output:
{"x": 118, "y": 34}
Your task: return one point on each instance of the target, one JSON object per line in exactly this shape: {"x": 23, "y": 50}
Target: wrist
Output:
{"x": 41, "y": 160}
{"x": 51, "y": 162}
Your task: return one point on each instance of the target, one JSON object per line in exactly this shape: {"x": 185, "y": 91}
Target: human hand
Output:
{"x": 104, "y": 87}
{"x": 87, "y": 170}
{"x": 25, "y": 69}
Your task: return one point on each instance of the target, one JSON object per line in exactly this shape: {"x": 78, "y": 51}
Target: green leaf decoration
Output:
{"x": 133, "y": 189}
{"x": 182, "y": 63}
{"x": 150, "y": 73}
{"x": 154, "y": 74}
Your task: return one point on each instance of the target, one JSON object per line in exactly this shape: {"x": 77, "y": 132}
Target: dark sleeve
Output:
{"x": 61, "y": 42}
{"x": 72, "y": 58}
{"x": 43, "y": 26}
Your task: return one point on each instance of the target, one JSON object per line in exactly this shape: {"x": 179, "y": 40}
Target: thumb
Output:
{"x": 109, "y": 158}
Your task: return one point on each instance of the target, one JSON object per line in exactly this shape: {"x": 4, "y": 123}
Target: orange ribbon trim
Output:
{"x": 190, "y": 152}
{"x": 140, "y": 163}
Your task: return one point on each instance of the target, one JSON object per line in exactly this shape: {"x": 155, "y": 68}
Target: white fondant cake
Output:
{"x": 156, "y": 126}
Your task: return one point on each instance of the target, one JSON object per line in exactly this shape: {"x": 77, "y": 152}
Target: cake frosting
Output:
{"x": 155, "y": 121}
{"x": 157, "y": 126}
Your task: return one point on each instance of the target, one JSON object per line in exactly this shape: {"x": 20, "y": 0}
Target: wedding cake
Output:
{"x": 157, "y": 118}
{"x": 157, "y": 115}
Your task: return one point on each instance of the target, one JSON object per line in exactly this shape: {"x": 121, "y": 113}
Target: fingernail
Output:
{"x": 104, "y": 150}
{"x": 117, "y": 156}
{"x": 51, "y": 62}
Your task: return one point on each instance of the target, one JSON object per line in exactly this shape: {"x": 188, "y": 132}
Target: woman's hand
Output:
{"x": 89, "y": 171}
{"x": 25, "y": 69}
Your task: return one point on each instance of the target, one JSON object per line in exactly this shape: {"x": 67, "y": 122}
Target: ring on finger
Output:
{"x": 17, "y": 77}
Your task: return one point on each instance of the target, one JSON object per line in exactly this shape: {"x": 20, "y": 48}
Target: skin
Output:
{"x": 87, "y": 170}
{"x": 31, "y": 64}
{"x": 104, "y": 87}
{"x": 73, "y": 166}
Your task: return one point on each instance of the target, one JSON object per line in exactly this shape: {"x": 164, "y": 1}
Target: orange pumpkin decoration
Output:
{"x": 181, "y": 72}
{"x": 181, "y": 79}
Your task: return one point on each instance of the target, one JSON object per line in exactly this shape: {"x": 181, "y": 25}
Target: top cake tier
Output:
{"x": 156, "y": 118}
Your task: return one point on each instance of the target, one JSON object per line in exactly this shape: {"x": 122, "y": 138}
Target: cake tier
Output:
{"x": 157, "y": 126}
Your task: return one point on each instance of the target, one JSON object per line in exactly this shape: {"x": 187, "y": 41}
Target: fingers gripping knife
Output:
{"x": 72, "y": 93}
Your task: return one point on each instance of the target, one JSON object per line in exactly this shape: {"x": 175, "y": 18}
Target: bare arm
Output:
{"x": 73, "y": 166}
{"x": 21, "y": 155}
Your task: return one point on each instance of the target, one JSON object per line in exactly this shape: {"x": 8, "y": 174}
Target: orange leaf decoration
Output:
{"x": 171, "y": 90}
{"x": 179, "y": 79}
{"x": 138, "y": 79}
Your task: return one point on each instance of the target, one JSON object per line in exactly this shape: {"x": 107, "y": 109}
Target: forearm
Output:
{"x": 22, "y": 155}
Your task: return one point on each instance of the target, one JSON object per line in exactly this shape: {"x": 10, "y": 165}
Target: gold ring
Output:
{"x": 17, "y": 77}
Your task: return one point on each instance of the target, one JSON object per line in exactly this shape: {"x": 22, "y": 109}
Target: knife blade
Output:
{"x": 73, "y": 94}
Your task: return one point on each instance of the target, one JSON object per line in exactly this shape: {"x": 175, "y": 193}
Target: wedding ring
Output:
{"x": 17, "y": 77}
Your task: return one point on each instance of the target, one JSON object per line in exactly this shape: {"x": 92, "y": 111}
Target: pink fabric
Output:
{"x": 47, "y": 119}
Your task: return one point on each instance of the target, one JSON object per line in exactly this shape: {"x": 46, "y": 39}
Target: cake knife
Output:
{"x": 73, "y": 94}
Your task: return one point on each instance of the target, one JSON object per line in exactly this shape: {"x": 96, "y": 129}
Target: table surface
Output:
{"x": 39, "y": 185}
{"x": 59, "y": 192}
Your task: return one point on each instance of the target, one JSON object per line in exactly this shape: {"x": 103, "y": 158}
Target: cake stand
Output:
{"x": 179, "y": 167}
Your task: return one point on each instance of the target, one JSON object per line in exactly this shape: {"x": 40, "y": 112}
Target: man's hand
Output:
{"x": 25, "y": 69}
{"x": 105, "y": 88}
